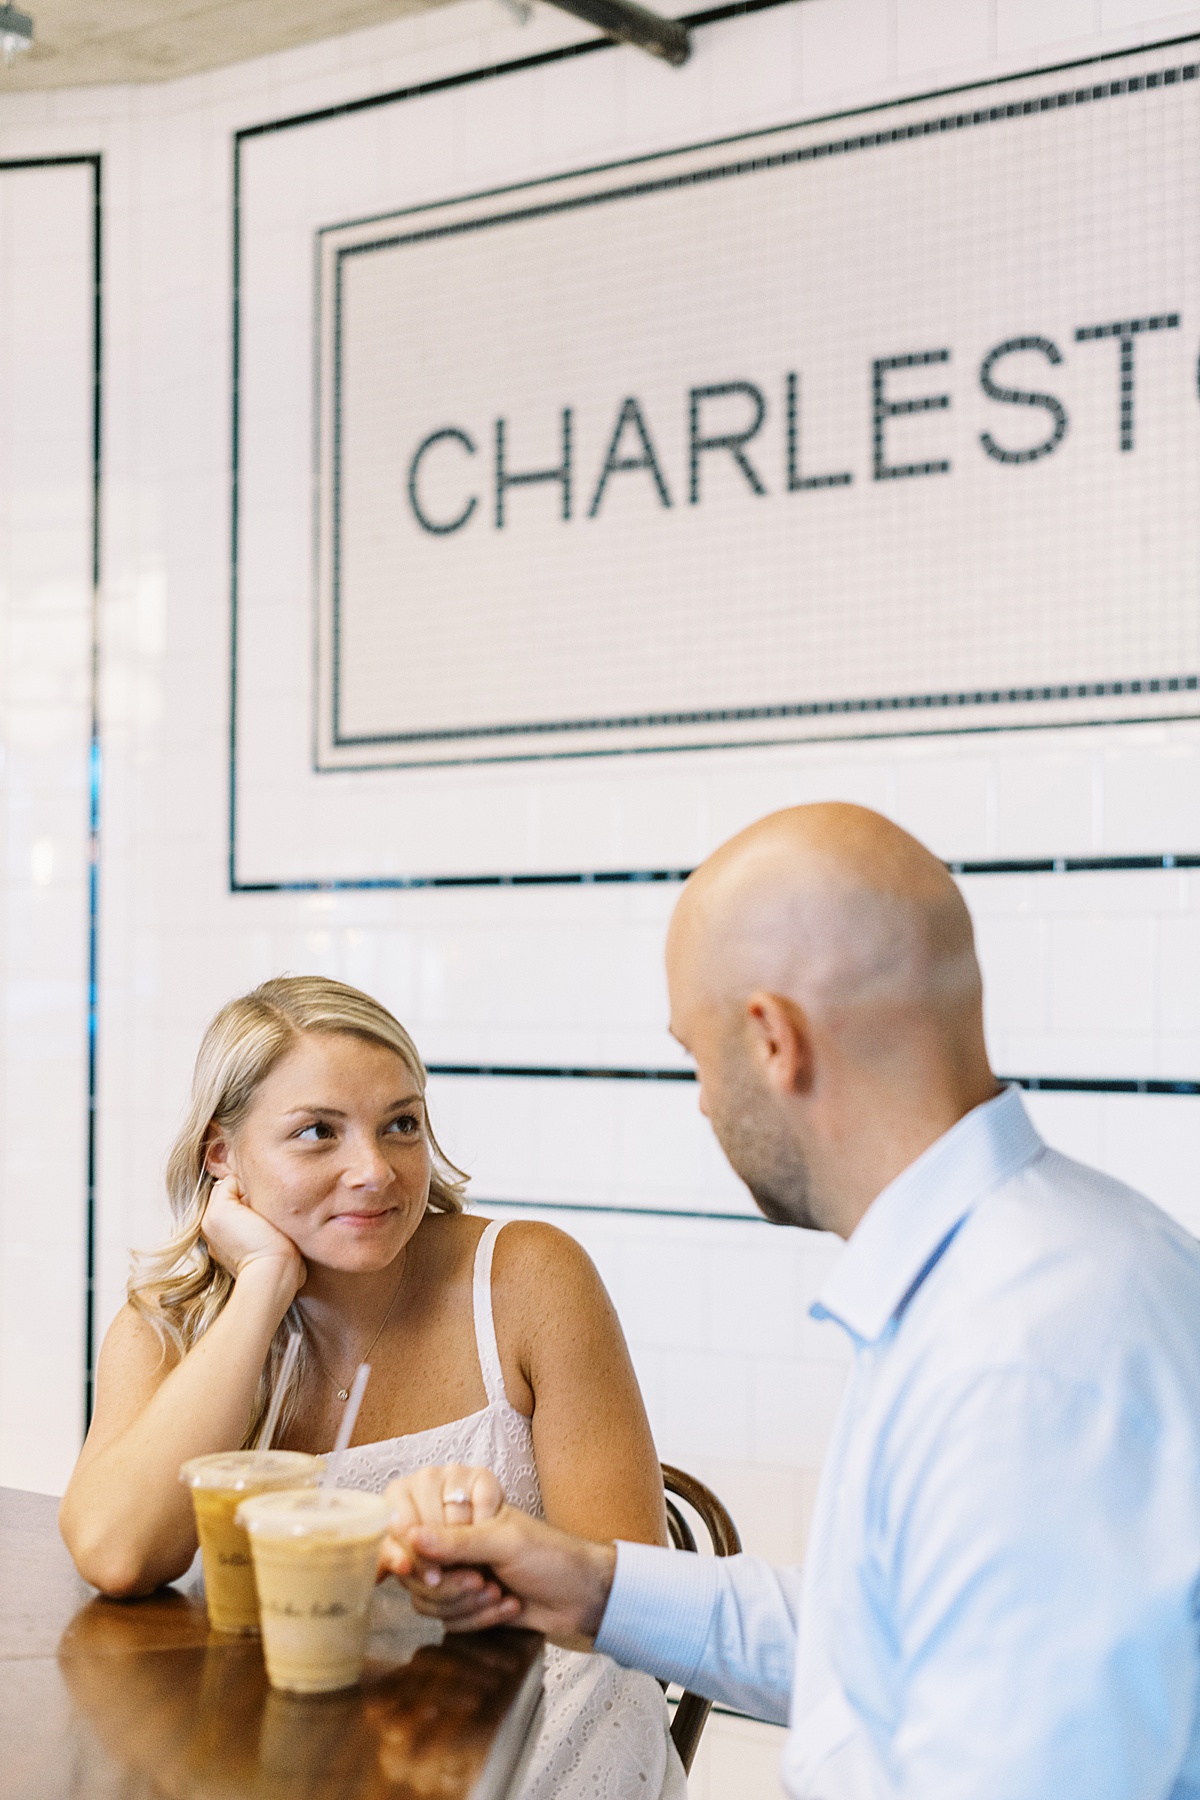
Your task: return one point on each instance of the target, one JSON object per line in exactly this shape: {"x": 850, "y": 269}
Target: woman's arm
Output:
{"x": 564, "y": 1355}
{"x": 125, "y": 1517}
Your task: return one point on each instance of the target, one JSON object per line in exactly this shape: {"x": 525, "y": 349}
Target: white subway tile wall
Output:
{"x": 45, "y": 729}
{"x": 1090, "y": 974}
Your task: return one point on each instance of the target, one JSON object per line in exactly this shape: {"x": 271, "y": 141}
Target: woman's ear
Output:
{"x": 780, "y": 1042}
{"x": 217, "y": 1153}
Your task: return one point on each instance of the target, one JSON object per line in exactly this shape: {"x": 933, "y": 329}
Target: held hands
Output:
{"x": 470, "y": 1559}
{"x": 449, "y": 1495}
{"x": 239, "y": 1238}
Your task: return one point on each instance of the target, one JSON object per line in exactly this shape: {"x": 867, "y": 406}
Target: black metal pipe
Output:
{"x": 630, "y": 23}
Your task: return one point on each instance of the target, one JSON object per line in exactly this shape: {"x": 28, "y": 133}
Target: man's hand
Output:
{"x": 505, "y": 1569}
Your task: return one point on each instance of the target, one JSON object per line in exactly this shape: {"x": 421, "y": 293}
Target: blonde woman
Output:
{"x": 311, "y": 1195}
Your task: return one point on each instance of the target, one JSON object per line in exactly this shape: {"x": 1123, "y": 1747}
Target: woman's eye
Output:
{"x": 408, "y": 1125}
{"x": 316, "y": 1132}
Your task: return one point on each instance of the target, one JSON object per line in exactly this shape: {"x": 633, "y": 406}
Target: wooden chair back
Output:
{"x": 692, "y": 1712}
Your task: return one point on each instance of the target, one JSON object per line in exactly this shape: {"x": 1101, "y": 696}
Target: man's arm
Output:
{"x": 725, "y": 1628}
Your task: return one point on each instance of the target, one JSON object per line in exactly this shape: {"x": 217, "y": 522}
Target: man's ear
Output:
{"x": 780, "y": 1042}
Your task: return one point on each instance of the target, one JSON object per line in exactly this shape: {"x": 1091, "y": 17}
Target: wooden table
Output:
{"x": 125, "y": 1700}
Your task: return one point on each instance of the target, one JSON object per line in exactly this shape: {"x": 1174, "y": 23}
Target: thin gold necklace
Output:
{"x": 343, "y": 1393}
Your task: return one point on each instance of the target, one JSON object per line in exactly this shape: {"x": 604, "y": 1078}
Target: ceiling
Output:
{"x": 78, "y": 43}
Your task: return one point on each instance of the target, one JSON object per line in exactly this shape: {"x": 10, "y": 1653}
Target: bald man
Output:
{"x": 1002, "y": 1592}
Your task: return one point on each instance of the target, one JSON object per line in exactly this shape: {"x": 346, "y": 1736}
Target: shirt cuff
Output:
{"x": 659, "y": 1611}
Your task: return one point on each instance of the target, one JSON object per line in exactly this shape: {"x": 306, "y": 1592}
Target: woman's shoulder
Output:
{"x": 135, "y": 1358}
{"x": 530, "y": 1256}
{"x": 537, "y": 1243}
{"x": 544, "y": 1268}
{"x": 134, "y": 1334}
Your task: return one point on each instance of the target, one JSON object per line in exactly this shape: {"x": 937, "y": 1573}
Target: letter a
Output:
{"x": 630, "y": 414}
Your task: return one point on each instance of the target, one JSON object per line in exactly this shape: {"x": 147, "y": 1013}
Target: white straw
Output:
{"x": 333, "y": 1467}
{"x": 277, "y": 1398}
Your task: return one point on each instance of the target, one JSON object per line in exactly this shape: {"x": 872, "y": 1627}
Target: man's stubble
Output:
{"x": 758, "y": 1148}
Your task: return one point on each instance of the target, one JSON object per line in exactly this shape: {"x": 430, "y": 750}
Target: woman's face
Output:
{"x": 334, "y": 1151}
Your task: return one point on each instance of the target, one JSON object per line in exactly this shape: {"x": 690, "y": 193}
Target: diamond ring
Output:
{"x": 456, "y": 1497}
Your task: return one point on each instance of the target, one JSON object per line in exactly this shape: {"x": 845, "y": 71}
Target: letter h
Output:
{"x": 529, "y": 477}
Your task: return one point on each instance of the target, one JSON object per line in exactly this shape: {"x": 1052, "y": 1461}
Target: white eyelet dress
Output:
{"x": 606, "y": 1730}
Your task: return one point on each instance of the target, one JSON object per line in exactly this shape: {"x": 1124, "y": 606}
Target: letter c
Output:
{"x": 414, "y": 469}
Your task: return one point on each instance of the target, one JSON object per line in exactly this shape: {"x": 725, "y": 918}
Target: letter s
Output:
{"x": 1021, "y": 397}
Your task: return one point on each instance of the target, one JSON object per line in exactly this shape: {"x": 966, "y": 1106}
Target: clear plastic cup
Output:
{"x": 219, "y": 1484}
{"x": 315, "y": 1556}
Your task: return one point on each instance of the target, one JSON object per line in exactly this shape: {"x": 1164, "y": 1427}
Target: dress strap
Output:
{"x": 485, "y": 1321}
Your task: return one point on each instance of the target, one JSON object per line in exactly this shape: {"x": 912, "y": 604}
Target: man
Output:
{"x": 1002, "y": 1591}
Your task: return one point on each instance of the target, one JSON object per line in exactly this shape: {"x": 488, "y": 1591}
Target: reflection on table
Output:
{"x": 139, "y": 1698}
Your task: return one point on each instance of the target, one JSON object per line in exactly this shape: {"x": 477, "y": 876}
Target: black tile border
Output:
{"x": 480, "y": 1203}
{"x": 95, "y": 777}
{"x": 1153, "y": 862}
{"x": 1078, "y": 865}
{"x": 1038, "y": 1084}
{"x": 910, "y": 705}
{"x": 465, "y": 78}
{"x": 558, "y": 1072}
{"x": 94, "y": 162}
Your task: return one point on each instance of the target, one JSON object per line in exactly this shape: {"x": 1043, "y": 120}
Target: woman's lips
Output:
{"x": 364, "y": 1220}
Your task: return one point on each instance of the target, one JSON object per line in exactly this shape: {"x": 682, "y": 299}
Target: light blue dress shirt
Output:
{"x": 1002, "y": 1594}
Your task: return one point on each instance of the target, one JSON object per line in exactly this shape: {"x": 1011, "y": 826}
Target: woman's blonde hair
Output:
{"x": 180, "y": 1288}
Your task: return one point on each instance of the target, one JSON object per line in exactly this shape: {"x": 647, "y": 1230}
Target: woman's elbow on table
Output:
{"x": 114, "y": 1568}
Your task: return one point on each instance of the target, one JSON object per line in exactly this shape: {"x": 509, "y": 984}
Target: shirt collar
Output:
{"x": 905, "y": 1229}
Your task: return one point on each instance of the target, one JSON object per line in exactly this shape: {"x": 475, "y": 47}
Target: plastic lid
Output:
{"x": 315, "y": 1512}
{"x": 237, "y": 1470}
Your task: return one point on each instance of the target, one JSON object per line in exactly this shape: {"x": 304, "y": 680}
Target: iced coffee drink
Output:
{"x": 315, "y": 1556}
{"x": 219, "y": 1484}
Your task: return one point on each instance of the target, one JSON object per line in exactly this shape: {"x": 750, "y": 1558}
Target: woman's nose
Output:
{"x": 367, "y": 1166}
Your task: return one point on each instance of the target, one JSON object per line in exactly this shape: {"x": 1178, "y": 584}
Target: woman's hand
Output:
{"x": 240, "y": 1238}
{"x": 448, "y": 1495}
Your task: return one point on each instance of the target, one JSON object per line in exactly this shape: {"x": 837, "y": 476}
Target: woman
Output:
{"x": 311, "y": 1195}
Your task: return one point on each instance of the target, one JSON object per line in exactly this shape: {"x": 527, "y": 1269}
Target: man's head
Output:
{"x": 822, "y": 973}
